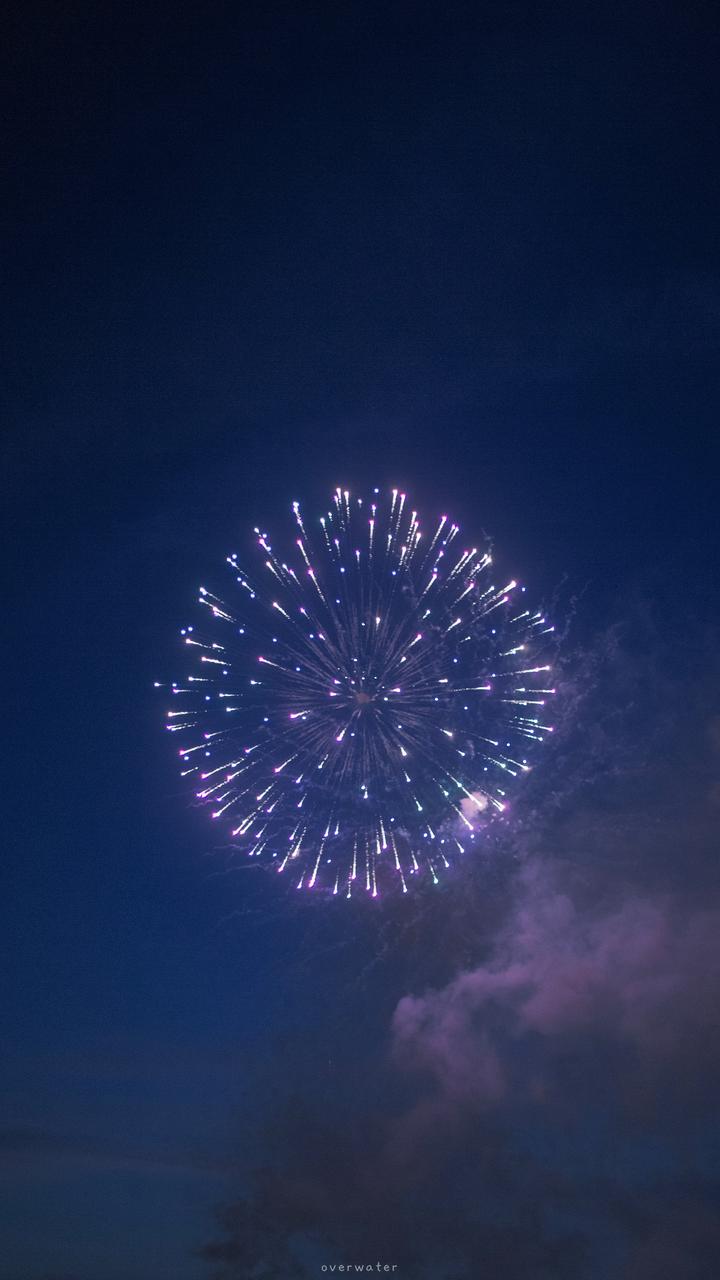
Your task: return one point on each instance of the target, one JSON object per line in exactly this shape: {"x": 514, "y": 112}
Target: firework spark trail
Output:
{"x": 347, "y": 710}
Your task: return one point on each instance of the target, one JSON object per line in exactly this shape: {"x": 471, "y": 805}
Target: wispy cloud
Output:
{"x": 545, "y": 1110}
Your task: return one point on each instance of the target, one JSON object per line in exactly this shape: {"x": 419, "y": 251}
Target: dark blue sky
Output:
{"x": 254, "y": 251}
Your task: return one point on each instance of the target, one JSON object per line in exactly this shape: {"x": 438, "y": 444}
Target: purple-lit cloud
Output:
{"x": 544, "y": 1105}
{"x": 646, "y": 974}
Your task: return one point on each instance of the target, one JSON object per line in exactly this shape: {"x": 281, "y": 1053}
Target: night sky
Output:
{"x": 254, "y": 251}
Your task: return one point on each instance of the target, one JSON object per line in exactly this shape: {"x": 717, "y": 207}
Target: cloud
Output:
{"x": 548, "y": 1102}
{"x": 472, "y": 805}
{"x": 644, "y": 976}
{"x": 543, "y": 1105}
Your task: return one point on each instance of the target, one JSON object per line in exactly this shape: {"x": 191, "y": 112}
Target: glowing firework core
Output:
{"x": 361, "y": 722}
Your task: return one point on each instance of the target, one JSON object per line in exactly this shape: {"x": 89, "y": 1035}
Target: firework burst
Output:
{"x": 359, "y": 709}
